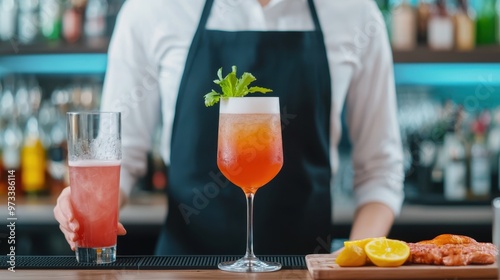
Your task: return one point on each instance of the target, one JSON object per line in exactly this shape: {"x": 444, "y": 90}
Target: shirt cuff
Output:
{"x": 127, "y": 181}
{"x": 373, "y": 192}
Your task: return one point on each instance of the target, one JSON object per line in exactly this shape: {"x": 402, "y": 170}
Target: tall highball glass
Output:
{"x": 94, "y": 159}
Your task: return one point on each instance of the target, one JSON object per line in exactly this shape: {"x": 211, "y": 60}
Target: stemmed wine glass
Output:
{"x": 250, "y": 154}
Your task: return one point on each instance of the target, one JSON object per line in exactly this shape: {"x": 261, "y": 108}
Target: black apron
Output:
{"x": 292, "y": 213}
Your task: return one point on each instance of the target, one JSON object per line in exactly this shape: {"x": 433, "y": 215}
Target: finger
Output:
{"x": 70, "y": 237}
{"x": 121, "y": 229}
{"x": 63, "y": 212}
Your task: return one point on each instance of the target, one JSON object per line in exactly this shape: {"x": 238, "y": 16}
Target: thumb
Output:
{"x": 121, "y": 229}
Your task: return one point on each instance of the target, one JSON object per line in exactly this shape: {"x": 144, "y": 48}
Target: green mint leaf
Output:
{"x": 231, "y": 86}
{"x": 219, "y": 74}
{"x": 259, "y": 89}
{"x": 243, "y": 82}
{"x": 212, "y": 98}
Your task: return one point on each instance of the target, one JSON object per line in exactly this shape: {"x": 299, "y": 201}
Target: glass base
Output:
{"x": 247, "y": 264}
{"x": 96, "y": 255}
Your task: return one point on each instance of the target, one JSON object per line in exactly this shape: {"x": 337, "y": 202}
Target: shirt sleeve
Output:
{"x": 131, "y": 87}
{"x": 372, "y": 119}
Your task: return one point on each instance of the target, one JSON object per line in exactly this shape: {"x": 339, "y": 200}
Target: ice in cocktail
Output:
{"x": 94, "y": 197}
{"x": 249, "y": 149}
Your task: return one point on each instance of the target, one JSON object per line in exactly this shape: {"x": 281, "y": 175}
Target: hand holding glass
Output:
{"x": 94, "y": 152}
{"x": 250, "y": 154}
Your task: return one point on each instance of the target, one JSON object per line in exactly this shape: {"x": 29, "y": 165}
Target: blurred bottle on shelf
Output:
{"x": 423, "y": 14}
{"x": 22, "y": 100}
{"x": 480, "y": 169}
{"x": 486, "y": 24}
{"x": 57, "y": 151}
{"x": 440, "y": 27}
{"x": 33, "y": 158}
{"x": 8, "y": 17}
{"x": 95, "y": 19}
{"x": 33, "y": 161}
{"x": 494, "y": 148}
{"x": 29, "y": 21}
{"x": 11, "y": 154}
{"x": 455, "y": 184}
{"x": 51, "y": 12}
{"x": 465, "y": 27}
{"x": 403, "y": 27}
{"x": 73, "y": 20}
{"x": 498, "y": 22}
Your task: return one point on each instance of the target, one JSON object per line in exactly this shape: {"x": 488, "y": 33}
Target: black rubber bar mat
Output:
{"x": 142, "y": 262}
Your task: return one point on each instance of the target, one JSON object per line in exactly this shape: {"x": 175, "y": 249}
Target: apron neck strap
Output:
{"x": 209, "y": 3}
{"x": 314, "y": 15}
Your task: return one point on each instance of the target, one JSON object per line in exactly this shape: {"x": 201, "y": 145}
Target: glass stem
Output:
{"x": 249, "y": 252}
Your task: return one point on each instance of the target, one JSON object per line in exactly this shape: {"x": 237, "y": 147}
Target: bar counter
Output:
{"x": 205, "y": 267}
{"x": 157, "y": 274}
{"x": 149, "y": 274}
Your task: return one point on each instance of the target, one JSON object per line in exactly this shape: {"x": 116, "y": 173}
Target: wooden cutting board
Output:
{"x": 323, "y": 266}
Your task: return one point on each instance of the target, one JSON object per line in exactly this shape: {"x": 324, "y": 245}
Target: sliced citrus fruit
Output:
{"x": 361, "y": 242}
{"x": 351, "y": 255}
{"x": 387, "y": 252}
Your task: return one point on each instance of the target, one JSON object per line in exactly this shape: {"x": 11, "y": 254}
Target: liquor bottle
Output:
{"x": 455, "y": 184}
{"x": 33, "y": 160}
{"x": 22, "y": 101}
{"x": 480, "y": 169}
{"x": 51, "y": 19}
{"x": 73, "y": 20}
{"x": 403, "y": 27}
{"x": 465, "y": 27}
{"x": 7, "y": 102}
{"x": 8, "y": 16}
{"x": 423, "y": 14}
{"x": 11, "y": 154}
{"x": 95, "y": 18}
{"x": 440, "y": 29}
{"x": 498, "y": 22}
{"x": 486, "y": 23}
{"x": 494, "y": 148}
{"x": 28, "y": 21}
{"x": 57, "y": 155}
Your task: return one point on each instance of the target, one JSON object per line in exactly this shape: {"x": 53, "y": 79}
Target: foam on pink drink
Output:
{"x": 94, "y": 197}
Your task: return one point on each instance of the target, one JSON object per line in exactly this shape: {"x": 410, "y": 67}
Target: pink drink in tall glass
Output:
{"x": 94, "y": 196}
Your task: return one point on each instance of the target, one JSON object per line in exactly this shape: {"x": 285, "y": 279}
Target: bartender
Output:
{"x": 317, "y": 56}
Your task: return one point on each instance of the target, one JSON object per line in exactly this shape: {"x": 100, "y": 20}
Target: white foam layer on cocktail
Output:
{"x": 250, "y": 105}
{"x": 93, "y": 163}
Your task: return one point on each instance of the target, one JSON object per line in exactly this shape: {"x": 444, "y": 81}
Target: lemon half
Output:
{"x": 387, "y": 252}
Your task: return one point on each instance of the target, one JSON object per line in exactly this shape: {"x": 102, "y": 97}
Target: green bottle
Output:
{"x": 51, "y": 19}
{"x": 486, "y": 23}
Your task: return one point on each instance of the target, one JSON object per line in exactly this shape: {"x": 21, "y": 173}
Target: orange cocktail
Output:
{"x": 249, "y": 154}
{"x": 249, "y": 149}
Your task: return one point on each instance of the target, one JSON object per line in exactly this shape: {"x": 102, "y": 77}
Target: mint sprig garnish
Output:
{"x": 231, "y": 86}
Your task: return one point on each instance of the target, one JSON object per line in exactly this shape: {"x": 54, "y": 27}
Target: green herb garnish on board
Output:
{"x": 233, "y": 87}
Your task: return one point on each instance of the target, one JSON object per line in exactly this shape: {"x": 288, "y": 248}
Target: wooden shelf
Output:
{"x": 99, "y": 46}
{"x": 422, "y": 54}
{"x": 485, "y": 54}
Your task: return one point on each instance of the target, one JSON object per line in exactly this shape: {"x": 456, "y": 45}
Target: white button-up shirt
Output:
{"x": 149, "y": 48}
